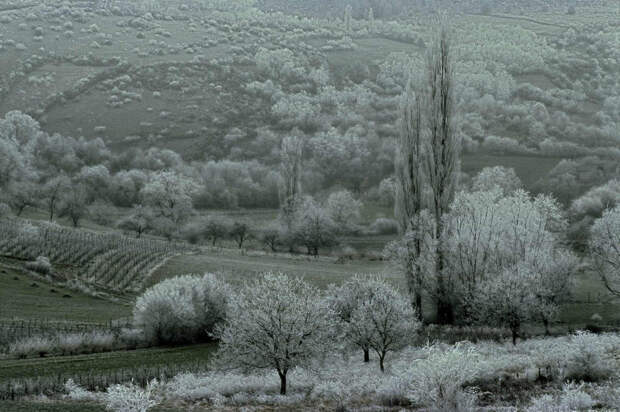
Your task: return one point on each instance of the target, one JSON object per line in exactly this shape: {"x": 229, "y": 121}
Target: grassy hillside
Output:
{"x": 25, "y": 297}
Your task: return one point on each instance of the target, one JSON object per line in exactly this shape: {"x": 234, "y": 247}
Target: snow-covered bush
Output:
{"x": 63, "y": 344}
{"x": 5, "y": 210}
{"x": 41, "y": 265}
{"x": 77, "y": 393}
{"x": 132, "y": 398}
{"x": 571, "y": 399}
{"x": 38, "y": 345}
{"x": 437, "y": 382}
{"x": 182, "y": 309}
{"x": 384, "y": 226}
{"x": 581, "y": 357}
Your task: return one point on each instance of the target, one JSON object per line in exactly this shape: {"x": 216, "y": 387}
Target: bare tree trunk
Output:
{"x": 282, "y": 382}
{"x": 366, "y": 355}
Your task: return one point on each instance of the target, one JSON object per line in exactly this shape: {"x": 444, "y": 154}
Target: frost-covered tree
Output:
{"x": 605, "y": 248}
{"x": 271, "y": 236}
{"x": 276, "y": 322}
{"x": 554, "y": 284}
{"x": 21, "y": 195}
{"x": 169, "y": 195}
{"x": 492, "y": 239}
{"x": 53, "y": 192}
{"x": 18, "y": 136}
{"x": 313, "y": 227}
{"x": 139, "y": 220}
{"x": 214, "y": 228}
{"x": 443, "y": 148}
{"x": 409, "y": 194}
{"x": 500, "y": 177}
{"x": 344, "y": 210}
{"x": 240, "y": 232}
{"x": 348, "y": 18}
{"x": 73, "y": 205}
{"x": 344, "y": 299}
{"x": 291, "y": 157}
{"x": 182, "y": 309}
{"x": 509, "y": 298}
{"x": 382, "y": 319}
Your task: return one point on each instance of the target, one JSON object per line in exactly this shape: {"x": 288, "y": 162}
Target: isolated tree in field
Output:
{"x": 214, "y": 228}
{"x": 240, "y": 232}
{"x": 605, "y": 248}
{"x": 313, "y": 228}
{"x": 503, "y": 178}
{"x": 344, "y": 210}
{"x": 276, "y": 322}
{"x": 385, "y": 319}
{"x": 139, "y": 220}
{"x": 443, "y": 148}
{"x": 73, "y": 204}
{"x": 169, "y": 196}
{"x": 291, "y": 153}
{"x": 271, "y": 236}
{"x": 53, "y": 191}
{"x": 409, "y": 194}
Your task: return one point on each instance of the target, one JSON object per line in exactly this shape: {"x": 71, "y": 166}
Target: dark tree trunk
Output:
{"x": 282, "y": 383}
{"x": 515, "y": 334}
{"x": 381, "y": 359}
{"x": 546, "y": 324}
{"x": 366, "y": 356}
{"x": 445, "y": 310}
{"x": 418, "y": 306}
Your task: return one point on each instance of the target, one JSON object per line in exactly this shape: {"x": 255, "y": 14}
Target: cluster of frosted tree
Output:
{"x": 280, "y": 323}
{"x": 303, "y": 221}
{"x": 275, "y": 321}
{"x": 492, "y": 255}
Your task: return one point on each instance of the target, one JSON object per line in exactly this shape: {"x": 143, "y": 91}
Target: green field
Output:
{"x": 237, "y": 268}
{"x": 25, "y": 297}
{"x": 122, "y": 362}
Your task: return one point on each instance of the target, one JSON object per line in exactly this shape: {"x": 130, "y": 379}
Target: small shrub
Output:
{"x": 34, "y": 345}
{"x": 438, "y": 381}
{"x": 384, "y": 226}
{"x": 5, "y": 210}
{"x": 588, "y": 359}
{"x": 77, "y": 393}
{"x": 42, "y": 265}
{"x": 571, "y": 399}
{"x": 182, "y": 309}
{"x": 132, "y": 398}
